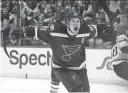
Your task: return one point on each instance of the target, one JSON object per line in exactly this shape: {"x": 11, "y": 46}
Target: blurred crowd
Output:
{"x": 110, "y": 18}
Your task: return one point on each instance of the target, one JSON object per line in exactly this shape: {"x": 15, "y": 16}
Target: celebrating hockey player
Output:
{"x": 67, "y": 42}
{"x": 119, "y": 57}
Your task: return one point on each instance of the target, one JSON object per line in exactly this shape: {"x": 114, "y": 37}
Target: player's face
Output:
{"x": 74, "y": 25}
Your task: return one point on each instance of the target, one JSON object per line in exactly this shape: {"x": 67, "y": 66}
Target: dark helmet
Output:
{"x": 72, "y": 14}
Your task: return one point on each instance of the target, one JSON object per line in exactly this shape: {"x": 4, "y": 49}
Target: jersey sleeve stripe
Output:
{"x": 59, "y": 35}
{"x": 65, "y": 35}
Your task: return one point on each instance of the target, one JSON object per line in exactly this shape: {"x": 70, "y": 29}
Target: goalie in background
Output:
{"x": 119, "y": 57}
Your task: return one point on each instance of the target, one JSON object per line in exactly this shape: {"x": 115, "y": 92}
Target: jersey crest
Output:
{"x": 69, "y": 50}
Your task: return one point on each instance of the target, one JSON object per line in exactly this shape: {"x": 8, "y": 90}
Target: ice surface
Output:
{"x": 18, "y": 85}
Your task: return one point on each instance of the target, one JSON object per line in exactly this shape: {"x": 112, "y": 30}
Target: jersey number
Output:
{"x": 114, "y": 52}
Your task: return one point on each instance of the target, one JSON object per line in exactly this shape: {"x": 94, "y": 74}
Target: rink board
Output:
{"x": 35, "y": 63}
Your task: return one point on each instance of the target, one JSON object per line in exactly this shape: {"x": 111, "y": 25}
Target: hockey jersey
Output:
{"x": 119, "y": 53}
{"x": 68, "y": 52}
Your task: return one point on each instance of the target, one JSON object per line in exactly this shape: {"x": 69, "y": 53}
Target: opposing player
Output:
{"x": 119, "y": 57}
{"x": 67, "y": 42}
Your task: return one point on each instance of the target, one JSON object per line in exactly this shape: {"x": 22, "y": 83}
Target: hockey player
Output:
{"x": 119, "y": 57}
{"x": 69, "y": 59}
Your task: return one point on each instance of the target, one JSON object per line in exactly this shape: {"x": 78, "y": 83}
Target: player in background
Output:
{"x": 67, "y": 42}
{"x": 119, "y": 57}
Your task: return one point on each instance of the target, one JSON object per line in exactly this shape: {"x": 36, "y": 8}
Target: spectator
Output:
{"x": 5, "y": 23}
{"x": 41, "y": 18}
{"x": 5, "y": 14}
{"x": 36, "y": 11}
{"x": 103, "y": 16}
{"x": 7, "y": 34}
{"x": 27, "y": 15}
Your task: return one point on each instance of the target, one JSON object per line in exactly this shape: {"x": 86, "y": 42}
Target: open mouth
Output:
{"x": 75, "y": 28}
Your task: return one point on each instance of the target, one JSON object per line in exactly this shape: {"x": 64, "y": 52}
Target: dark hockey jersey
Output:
{"x": 68, "y": 52}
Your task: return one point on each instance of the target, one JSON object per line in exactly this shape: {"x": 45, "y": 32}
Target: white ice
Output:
{"x": 18, "y": 85}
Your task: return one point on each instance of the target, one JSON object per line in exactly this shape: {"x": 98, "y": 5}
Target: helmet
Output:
{"x": 72, "y": 14}
{"x": 121, "y": 38}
